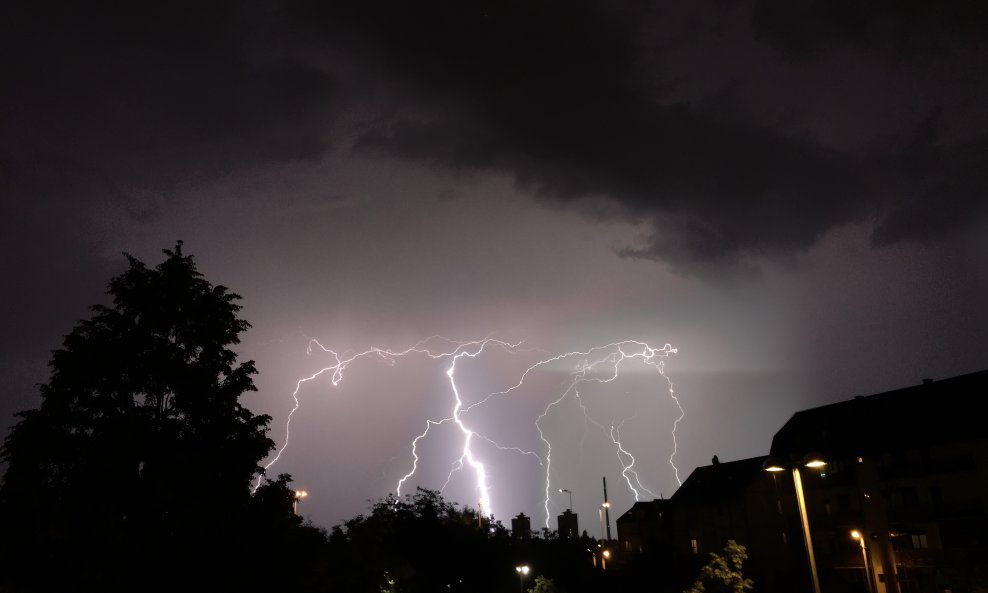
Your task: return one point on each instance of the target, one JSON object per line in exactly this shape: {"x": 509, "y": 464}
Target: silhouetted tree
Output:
{"x": 139, "y": 461}
{"x": 543, "y": 585}
{"x": 422, "y": 543}
{"x": 273, "y": 503}
{"x": 722, "y": 574}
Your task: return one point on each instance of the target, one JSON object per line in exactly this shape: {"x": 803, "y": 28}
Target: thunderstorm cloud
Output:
{"x": 609, "y": 108}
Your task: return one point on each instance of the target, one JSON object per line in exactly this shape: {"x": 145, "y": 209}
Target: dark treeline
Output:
{"x": 423, "y": 543}
{"x": 136, "y": 471}
{"x": 139, "y": 471}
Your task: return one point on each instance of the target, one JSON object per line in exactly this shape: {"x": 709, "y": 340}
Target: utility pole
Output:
{"x": 607, "y": 510}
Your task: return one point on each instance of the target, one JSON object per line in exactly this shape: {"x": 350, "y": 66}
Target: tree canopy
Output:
{"x": 140, "y": 444}
{"x": 422, "y": 543}
{"x": 722, "y": 574}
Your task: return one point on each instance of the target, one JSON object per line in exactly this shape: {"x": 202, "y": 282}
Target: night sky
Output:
{"x": 790, "y": 192}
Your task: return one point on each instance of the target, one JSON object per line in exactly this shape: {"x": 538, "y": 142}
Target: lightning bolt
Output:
{"x": 343, "y": 360}
{"x": 619, "y": 352}
{"x": 458, "y": 464}
{"x": 614, "y": 433}
{"x": 478, "y": 467}
{"x": 626, "y": 471}
{"x": 598, "y": 360}
{"x": 415, "y": 454}
{"x": 675, "y": 425}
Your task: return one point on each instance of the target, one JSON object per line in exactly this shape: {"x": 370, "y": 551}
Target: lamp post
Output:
{"x": 812, "y": 461}
{"x": 299, "y": 495}
{"x": 522, "y": 571}
{"x": 570, "y": 492}
{"x": 604, "y": 557}
{"x": 864, "y": 558}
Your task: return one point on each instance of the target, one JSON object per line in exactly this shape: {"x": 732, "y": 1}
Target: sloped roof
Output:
{"x": 644, "y": 511}
{"x": 935, "y": 411}
{"x": 718, "y": 483}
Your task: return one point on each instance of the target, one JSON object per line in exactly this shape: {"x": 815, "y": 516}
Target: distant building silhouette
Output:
{"x": 644, "y": 527}
{"x": 521, "y": 527}
{"x": 907, "y": 468}
{"x": 567, "y": 524}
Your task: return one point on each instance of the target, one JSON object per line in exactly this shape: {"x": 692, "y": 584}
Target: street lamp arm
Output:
{"x": 813, "y": 461}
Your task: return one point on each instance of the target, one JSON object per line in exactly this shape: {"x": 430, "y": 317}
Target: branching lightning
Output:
{"x": 611, "y": 357}
{"x": 478, "y": 467}
{"x": 600, "y": 364}
{"x": 675, "y": 425}
{"x": 626, "y": 471}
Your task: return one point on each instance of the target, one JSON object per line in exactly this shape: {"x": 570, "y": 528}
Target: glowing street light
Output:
{"x": 864, "y": 558}
{"x": 522, "y": 571}
{"x": 299, "y": 495}
{"x": 813, "y": 461}
{"x": 604, "y": 557}
{"x": 570, "y": 492}
{"x": 606, "y": 507}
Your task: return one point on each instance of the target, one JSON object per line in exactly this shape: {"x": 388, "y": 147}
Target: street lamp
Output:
{"x": 522, "y": 571}
{"x": 864, "y": 558}
{"x": 570, "y": 492}
{"x": 604, "y": 557}
{"x": 813, "y": 461}
{"x": 299, "y": 495}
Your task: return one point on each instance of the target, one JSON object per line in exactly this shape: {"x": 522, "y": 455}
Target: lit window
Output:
{"x": 693, "y": 547}
{"x": 919, "y": 541}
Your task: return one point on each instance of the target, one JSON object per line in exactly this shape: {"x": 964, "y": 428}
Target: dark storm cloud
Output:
{"x": 153, "y": 93}
{"x": 567, "y": 97}
{"x": 939, "y": 187}
{"x": 50, "y": 260}
{"x": 105, "y": 109}
{"x": 899, "y": 30}
{"x": 573, "y": 99}
{"x": 711, "y": 189}
{"x": 932, "y": 186}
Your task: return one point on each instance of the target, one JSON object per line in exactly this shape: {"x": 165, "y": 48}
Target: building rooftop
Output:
{"x": 644, "y": 511}
{"x": 713, "y": 484}
{"x": 934, "y": 411}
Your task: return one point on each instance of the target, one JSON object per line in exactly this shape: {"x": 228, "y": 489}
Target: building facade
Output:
{"x": 907, "y": 470}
